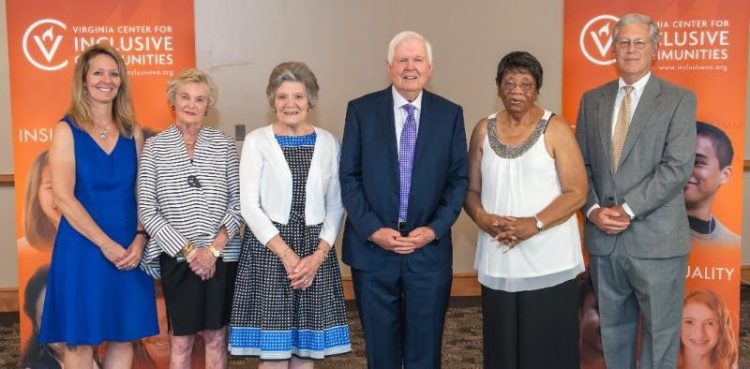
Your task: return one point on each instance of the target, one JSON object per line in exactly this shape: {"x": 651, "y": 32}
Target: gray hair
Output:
{"x": 293, "y": 72}
{"x": 635, "y": 18}
{"x": 192, "y": 75}
{"x": 407, "y": 35}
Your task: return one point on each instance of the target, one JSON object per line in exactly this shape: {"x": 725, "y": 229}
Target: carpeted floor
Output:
{"x": 462, "y": 345}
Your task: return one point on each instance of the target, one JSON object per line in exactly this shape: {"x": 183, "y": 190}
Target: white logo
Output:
{"x": 48, "y": 42}
{"x": 598, "y": 34}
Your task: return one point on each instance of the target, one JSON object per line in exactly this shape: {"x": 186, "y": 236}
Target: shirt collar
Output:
{"x": 399, "y": 101}
{"x": 638, "y": 85}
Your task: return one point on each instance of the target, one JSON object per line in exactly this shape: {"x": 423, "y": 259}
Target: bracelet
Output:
{"x": 187, "y": 249}
{"x": 282, "y": 257}
{"x": 144, "y": 233}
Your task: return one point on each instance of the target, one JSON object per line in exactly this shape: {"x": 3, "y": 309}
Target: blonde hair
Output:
{"x": 192, "y": 75}
{"x": 122, "y": 106}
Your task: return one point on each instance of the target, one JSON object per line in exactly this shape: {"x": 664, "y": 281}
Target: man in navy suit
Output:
{"x": 403, "y": 180}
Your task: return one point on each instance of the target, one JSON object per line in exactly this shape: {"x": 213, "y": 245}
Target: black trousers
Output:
{"x": 531, "y": 329}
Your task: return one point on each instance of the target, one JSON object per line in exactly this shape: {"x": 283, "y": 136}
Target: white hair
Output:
{"x": 407, "y": 35}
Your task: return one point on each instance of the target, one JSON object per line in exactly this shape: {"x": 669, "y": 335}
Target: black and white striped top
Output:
{"x": 181, "y": 200}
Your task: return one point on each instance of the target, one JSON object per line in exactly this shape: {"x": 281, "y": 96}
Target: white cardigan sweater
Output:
{"x": 266, "y": 185}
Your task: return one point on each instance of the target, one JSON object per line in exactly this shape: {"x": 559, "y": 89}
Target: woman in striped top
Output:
{"x": 188, "y": 189}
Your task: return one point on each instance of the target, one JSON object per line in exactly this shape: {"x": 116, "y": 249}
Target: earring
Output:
{"x": 205, "y": 113}
{"x": 309, "y": 109}
{"x": 273, "y": 109}
{"x": 172, "y": 107}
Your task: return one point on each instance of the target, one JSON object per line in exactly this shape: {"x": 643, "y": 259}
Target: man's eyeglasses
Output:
{"x": 625, "y": 43}
{"x": 509, "y": 85}
{"x": 193, "y": 181}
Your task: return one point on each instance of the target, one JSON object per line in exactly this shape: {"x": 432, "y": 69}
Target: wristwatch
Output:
{"x": 216, "y": 253}
{"x": 539, "y": 223}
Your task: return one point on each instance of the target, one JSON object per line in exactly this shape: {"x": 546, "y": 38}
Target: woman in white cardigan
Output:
{"x": 288, "y": 305}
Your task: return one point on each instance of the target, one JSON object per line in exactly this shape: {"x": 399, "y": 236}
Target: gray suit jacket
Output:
{"x": 656, "y": 162}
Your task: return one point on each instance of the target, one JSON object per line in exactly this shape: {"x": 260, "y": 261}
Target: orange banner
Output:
{"x": 703, "y": 47}
{"x": 45, "y": 37}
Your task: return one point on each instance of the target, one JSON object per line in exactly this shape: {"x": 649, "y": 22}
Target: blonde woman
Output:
{"x": 189, "y": 202}
{"x": 95, "y": 292}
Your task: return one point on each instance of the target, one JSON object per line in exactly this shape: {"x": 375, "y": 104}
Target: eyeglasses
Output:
{"x": 193, "y": 181}
{"x": 510, "y": 85}
{"x": 625, "y": 43}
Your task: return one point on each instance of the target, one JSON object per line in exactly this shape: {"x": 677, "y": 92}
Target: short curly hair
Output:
{"x": 293, "y": 72}
{"x": 192, "y": 75}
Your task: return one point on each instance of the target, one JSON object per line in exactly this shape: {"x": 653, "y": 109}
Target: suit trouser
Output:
{"x": 626, "y": 285}
{"x": 402, "y": 314}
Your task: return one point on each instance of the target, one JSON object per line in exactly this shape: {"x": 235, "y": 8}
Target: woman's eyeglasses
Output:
{"x": 510, "y": 85}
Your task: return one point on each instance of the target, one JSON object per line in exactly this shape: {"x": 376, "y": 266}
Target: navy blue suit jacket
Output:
{"x": 369, "y": 176}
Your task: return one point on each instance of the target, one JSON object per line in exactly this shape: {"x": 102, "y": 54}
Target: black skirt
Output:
{"x": 194, "y": 305}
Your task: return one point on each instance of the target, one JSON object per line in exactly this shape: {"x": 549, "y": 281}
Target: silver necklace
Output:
{"x": 102, "y": 132}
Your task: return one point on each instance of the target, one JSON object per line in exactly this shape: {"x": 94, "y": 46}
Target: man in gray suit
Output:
{"x": 637, "y": 135}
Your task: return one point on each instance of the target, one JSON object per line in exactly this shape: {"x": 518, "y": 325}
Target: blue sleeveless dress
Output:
{"x": 88, "y": 300}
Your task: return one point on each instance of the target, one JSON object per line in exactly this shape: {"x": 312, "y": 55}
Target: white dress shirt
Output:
{"x": 400, "y": 114}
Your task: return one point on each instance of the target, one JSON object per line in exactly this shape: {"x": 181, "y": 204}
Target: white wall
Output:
{"x": 344, "y": 42}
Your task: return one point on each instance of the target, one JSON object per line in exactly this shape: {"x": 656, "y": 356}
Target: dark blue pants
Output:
{"x": 402, "y": 313}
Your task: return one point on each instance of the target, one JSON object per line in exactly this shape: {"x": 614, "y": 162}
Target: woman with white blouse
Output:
{"x": 188, "y": 201}
{"x": 526, "y": 181}
{"x": 288, "y": 305}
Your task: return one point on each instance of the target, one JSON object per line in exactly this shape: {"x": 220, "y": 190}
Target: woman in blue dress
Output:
{"x": 95, "y": 292}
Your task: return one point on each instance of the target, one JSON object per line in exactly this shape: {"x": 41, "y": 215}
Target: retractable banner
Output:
{"x": 703, "y": 46}
{"x": 45, "y": 37}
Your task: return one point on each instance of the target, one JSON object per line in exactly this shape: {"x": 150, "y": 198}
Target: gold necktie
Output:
{"x": 621, "y": 127}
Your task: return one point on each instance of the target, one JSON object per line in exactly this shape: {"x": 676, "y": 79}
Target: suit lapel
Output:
{"x": 605, "y": 106}
{"x": 647, "y": 104}
{"x": 387, "y": 124}
{"x": 425, "y": 127}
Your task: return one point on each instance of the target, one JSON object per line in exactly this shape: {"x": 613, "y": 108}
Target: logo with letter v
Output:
{"x": 47, "y": 35}
{"x": 597, "y": 35}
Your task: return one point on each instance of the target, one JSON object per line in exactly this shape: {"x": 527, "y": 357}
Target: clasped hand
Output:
{"x": 202, "y": 262}
{"x": 122, "y": 258}
{"x": 392, "y": 240}
{"x": 611, "y": 221}
{"x": 508, "y": 230}
{"x": 302, "y": 271}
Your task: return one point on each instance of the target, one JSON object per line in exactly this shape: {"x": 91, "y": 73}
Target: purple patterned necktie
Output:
{"x": 406, "y": 159}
